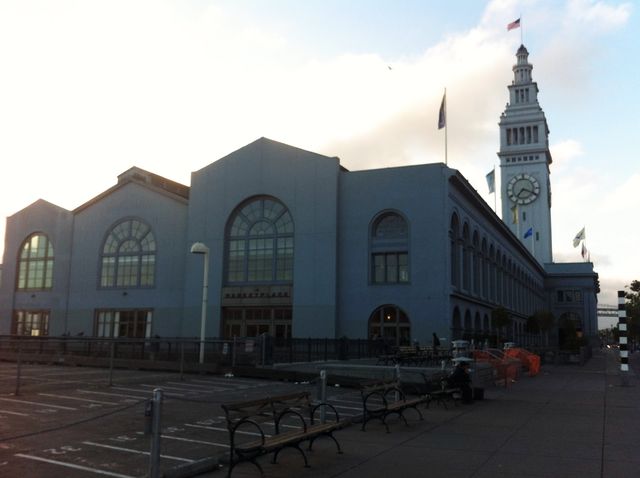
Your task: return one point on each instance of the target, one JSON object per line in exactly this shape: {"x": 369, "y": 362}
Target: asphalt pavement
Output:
{"x": 569, "y": 421}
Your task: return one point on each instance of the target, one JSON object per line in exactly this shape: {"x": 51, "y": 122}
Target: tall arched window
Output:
{"x": 466, "y": 258}
{"x": 485, "y": 269}
{"x": 259, "y": 242}
{"x": 476, "y": 257}
{"x": 454, "y": 235}
{"x": 35, "y": 263}
{"x": 391, "y": 323}
{"x": 456, "y": 325}
{"x": 390, "y": 249}
{"x": 129, "y": 256}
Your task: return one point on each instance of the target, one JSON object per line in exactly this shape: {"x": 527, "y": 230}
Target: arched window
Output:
{"x": 392, "y": 324}
{"x": 389, "y": 249}
{"x": 476, "y": 260}
{"x": 485, "y": 325}
{"x": 35, "y": 263}
{"x": 454, "y": 238}
{"x": 466, "y": 258}
{"x": 468, "y": 326}
{"x": 129, "y": 256}
{"x": 456, "y": 324}
{"x": 259, "y": 242}
{"x": 485, "y": 269}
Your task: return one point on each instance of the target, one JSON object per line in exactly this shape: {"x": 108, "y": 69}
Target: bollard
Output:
{"x": 156, "y": 429}
{"x": 182, "y": 361}
{"x": 111, "y": 357}
{"x": 323, "y": 396}
{"x": 233, "y": 352}
{"x": 622, "y": 339}
{"x": 264, "y": 349}
{"x": 148, "y": 417}
{"x": 18, "y": 370}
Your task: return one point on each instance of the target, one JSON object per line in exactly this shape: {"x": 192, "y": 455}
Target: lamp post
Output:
{"x": 200, "y": 248}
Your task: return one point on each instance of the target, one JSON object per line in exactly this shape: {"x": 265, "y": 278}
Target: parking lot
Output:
{"x": 67, "y": 421}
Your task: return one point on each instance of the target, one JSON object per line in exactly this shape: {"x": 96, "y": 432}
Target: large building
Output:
{"x": 301, "y": 247}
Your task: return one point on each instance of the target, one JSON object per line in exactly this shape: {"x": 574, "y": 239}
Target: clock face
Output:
{"x": 523, "y": 189}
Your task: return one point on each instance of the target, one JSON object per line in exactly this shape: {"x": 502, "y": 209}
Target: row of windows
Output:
{"x": 568, "y": 296}
{"x": 521, "y": 94}
{"x": 519, "y": 159}
{"x": 128, "y": 259}
{"x": 259, "y": 248}
{"x": 522, "y": 135}
{"x": 30, "y": 322}
{"x": 388, "y": 322}
{"x": 487, "y": 272}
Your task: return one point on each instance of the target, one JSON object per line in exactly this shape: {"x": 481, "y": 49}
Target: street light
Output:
{"x": 200, "y": 248}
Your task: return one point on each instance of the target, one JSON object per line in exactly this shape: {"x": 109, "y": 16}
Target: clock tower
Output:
{"x": 524, "y": 163}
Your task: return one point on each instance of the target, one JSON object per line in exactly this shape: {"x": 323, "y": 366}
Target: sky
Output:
{"x": 89, "y": 89}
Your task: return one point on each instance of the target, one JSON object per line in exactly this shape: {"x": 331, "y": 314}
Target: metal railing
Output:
{"x": 181, "y": 353}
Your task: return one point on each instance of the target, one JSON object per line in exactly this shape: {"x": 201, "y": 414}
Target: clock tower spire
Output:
{"x": 524, "y": 163}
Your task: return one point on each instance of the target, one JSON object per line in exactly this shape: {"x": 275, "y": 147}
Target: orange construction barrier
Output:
{"x": 506, "y": 367}
{"x": 529, "y": 360}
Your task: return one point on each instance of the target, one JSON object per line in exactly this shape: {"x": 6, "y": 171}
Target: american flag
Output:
{"x": 514, "y": 24}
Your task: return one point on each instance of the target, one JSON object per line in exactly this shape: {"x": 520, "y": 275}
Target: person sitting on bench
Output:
{"x": 460, "y": 378}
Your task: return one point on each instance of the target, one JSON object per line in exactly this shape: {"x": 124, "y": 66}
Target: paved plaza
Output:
{"x": 568, "y": 421}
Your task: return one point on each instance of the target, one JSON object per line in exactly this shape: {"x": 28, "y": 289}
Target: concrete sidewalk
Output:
{"x": 570, "y": 421}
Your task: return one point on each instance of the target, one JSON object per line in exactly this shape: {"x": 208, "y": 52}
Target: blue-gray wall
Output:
{"x": 418, "y": 194}
{"x": 167, "y": 218}
{"x": 57, "y": 224}
{"x": 306, "y": 183}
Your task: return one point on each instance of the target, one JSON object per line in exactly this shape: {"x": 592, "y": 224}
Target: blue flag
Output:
{"x": 491, "y": 181}
{"x": 529, "y": 233}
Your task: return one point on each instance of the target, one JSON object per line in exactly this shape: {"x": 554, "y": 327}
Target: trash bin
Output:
{"x": 478, "y": 393}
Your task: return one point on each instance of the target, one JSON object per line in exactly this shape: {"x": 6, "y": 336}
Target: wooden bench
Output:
{"x": 440, "y": 390}
{"x": 381, "y": 399}
{"x": 249, "y": 418}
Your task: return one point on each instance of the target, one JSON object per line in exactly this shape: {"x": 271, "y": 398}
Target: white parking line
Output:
{"x": 37, "y": 403}
{"x": 76, "y": 398}
{"x": 190, "y": 440}
{"x": 14, "y": 413}
{"x": 224, "y": 430}
{"x": 164, "y": 387}
{"x": 206, "y": 387}
{"x": 71, "y": 465}
{"x": 131, "y": 390}
{"x": 270, "y": 423}
{"x": 113, "y": 394}
{"x": 129, "y": 450}
{"x": 227, "y": 382}
{"x": 66, "y": 373}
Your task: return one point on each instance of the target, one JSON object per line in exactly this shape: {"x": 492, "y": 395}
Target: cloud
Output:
{"x": 565, "y": 152}
{"x": 96, "y": 87}
{"x": 596, "y": 15}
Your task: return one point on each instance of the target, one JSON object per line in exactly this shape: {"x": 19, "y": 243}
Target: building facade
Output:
{"x": 299, "y": 247}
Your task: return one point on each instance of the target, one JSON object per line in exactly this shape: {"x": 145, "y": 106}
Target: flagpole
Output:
{"x": 521, "y": 31}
